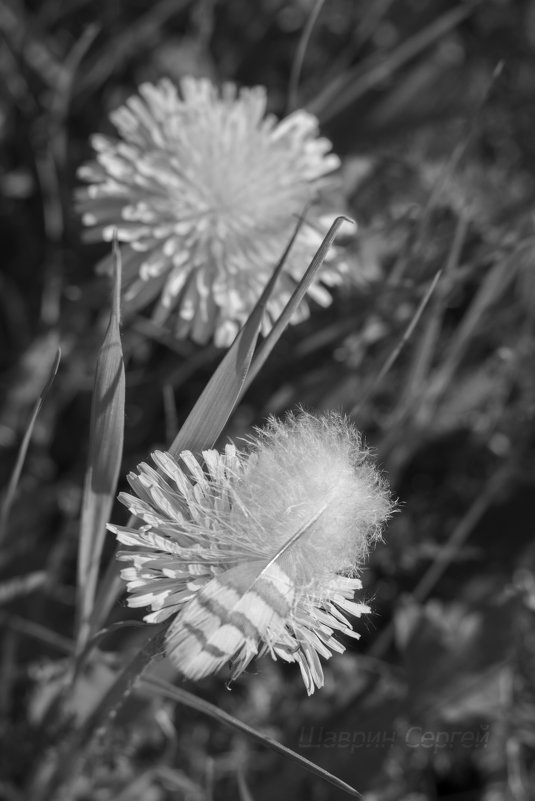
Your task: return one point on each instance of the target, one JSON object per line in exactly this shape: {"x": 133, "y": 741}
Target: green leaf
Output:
{"x": 296, "y": 298}
{"x": 105, "y": 454}
{"x": 9, "y": 497}
{"x": 167, "y": 690}
{"x": 209, "y": 416}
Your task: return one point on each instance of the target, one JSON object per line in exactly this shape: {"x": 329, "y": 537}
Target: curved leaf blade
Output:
{"x": 105, "y": 454}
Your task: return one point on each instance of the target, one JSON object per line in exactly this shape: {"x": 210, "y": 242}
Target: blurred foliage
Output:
{"x": 430, "y": 105}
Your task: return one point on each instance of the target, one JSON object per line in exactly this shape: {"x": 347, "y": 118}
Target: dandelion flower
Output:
{"x": 258, "y": 552}
{"x": 205, "y": 189}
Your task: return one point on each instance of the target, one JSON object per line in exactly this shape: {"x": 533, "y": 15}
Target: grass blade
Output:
{"x": 109, "y": 589}
{"x": 298, "y": 61}
{"x": 297, "y": 296}
{"x": 492, "y": 288}
{"x": 29, "y": 628}
{"x": 9, "y": 497}
{"x": 72, "y": 758}
{"x": 209, "y": 416}
{"x": 347, "y": 89}
{"x": 133, "y": 39}
{"x": 426, "y": 348}
{"x": 21, "y": 585}
{"x": 400, "y": 345}
{"x": 106, "y": 447}
{"x": 167, "y": 690}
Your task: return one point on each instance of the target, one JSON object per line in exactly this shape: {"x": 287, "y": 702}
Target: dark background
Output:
{"x": 431, "y": 106}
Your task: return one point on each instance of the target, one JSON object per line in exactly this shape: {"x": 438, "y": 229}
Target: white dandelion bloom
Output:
{"x": 205, "y": 188}
{"x": 258, "y": 552}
